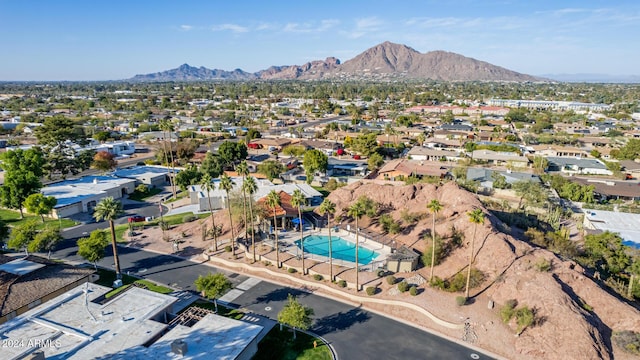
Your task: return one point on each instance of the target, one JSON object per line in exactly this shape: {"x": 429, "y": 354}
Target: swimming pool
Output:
{"x": 340, "y": 248}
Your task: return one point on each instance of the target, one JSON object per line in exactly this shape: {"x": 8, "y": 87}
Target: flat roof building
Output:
{"x": 627, "y": 225}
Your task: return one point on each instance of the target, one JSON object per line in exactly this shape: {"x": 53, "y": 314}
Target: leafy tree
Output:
{"x": 102, "y": 136}
{"x": 104, "y": 161}
{"x": 273, "y": 201}
{"x": 212, "y": 286}
{"x": 297, "y": 200}
{"x": 365, "y": 144}
{"x": 207, "y": 184}
{"x": 22, "y": 235}
{"x": 271, "y": 169}
{"x": 253, "y": 133}
{"x": 634, "y": 272}
{"x": 607, "y": 251}
{"x": 45, "y": 240}
{"x": 211, "y": 165}
{"x": 499, "y": 181}
{"x": 227, "y": 184}
{"x": 23, "y": 169}
{"x": 314, "y": 160}
{"x": 230, "y": 152}
{"x": 517, "y": 115}
{"x": 4, "y": 232}
{"x": 434, "y": 206}
{"x": 295, "y": 315}
{"x": 294, "y": 150}
{"x": 540, "y": 164}
{"x": 92, "y": 248}
{"x": 356, "y": 210}
{"x": 475, "y": 217}
{"x": 328, "y": 208}
{"x": 187, "y": 177}
{"x": 56, "y": 130}
{"x": 630, "y": 151}
{"x": 375, "y": 161}
{"x": 249, "y": 186}
{"x": 39, "y": 204}
{"x": 110, "y": 209}
{"x": 530, "y": 191}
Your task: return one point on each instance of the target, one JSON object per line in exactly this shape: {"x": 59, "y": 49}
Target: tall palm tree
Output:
{"x": 249, "y": 186}
{"x": 227, "y": 184}
{"x": 110, "y": 209}
{"x": 166, "y": 126}
{"x": 475, "y": 217}
{"x": 297, "y": 200}
{"x": 434, "y": 206}
{"x": 243, "y": 170}
{"x": 356, "y": 210}
{"x": 273, "y": 200}
{"x": 208, "y": 185}
{"x": 327, "y": 207}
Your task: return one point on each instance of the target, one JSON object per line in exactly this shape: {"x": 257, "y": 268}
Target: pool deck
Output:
{"x": 290, "y": 247}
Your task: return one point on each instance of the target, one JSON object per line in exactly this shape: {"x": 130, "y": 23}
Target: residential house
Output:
{"x": 613, "y": 189}
{"x": 400, "y": 169}
{"x": 560, "y": 151}
{"x": 500, "y": 158}
{"x": 430, "y": 154}
{"x": 486, "y": 176}
{"x": 347, "y": 167}
{"x": 572, "y": 166}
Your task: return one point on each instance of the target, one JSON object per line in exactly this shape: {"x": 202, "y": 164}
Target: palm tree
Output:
{"x": 297, "y": 200}
{"x": 327, "y": 207}
{"x": 273, "y": 200}
{"x": 110, "y": 209}
{"x": 243, "y": 170}
{"x": 249, "y": 186}
{"x": 166, "y": 126}
{"x": 209, "y": 186}
{"x": 475, "y": 217}
{"x": 227, "y": 184}
{"x": 356, "y": 210}
{"x": 434, "y": 206}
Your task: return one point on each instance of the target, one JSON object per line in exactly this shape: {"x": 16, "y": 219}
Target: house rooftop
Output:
{"x": 625, "y": 224}
{"x": 72, "y": 191}
{"x": 561, "y": 162}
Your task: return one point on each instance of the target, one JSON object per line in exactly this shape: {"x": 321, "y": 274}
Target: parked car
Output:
{"x": 356, "y": 157}
{"x": 136, "y": 218}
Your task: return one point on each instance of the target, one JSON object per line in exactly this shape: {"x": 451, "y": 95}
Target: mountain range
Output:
{"x": 383, "y": 61}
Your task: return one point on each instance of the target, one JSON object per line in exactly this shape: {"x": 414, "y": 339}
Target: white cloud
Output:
{"x": 230, "y": 27}
{"x": 186, "y": 27}
{"x": 311, "y": 27}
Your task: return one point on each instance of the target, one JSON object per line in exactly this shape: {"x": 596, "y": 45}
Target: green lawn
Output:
{"x": 280, "y": 345}
{"x": 138, "y": 196}
{"x": 180, "y": 194}
{"x": 12, "y": 218}
{"x": 149, "y": 285}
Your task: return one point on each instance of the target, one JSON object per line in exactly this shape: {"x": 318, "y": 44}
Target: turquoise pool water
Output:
{"x": 341, "y": 249}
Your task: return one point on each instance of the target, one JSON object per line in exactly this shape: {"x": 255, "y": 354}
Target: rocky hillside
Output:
{"x": 383, "y": 61}
{"x": 575, "y": 316}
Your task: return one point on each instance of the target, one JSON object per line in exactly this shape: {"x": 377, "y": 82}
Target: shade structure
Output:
{"x": 296, "y": 221}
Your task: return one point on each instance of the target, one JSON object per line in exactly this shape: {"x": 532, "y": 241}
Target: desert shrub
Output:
{"x": 459, "y": 282}
{"x": 426, "y": 255}
{"x": 543, "y": 265}
{"x": 317, "y": 277}
{"x": 228, "y": 248}
{"x": 389, "y": 225}
{"x": 507, "y": 310}
{"x": 628, "y": 341}
{"x": 189, "y": 218}
{"x": 380, "y": 273}
{"x": 292, "y": 270}
{"x": 342, "y": 283}
{"x": 142, "y": 189}
{"x": 403, "y": 286}
{"x": 371, "y": 290}
{"x": 164, "y": 225}
{"x": 437, "y": 283}
{"x": 461, "y": 300}
{"x": 410, "y": 218}
{"x": 413, "y": 290}
{"x": 331, "y": 185}
{"x": 524, "y": 318}
{"x": 391, "y": 279}
{"x": 267, "y": 263}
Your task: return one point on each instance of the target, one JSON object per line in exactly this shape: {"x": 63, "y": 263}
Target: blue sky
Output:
{"x": 109, "y": 40}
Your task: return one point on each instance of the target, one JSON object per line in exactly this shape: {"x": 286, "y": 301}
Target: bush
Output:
{"x": 371, "y": 290}
{"x": 389, "y": 225}
{"x": 461, "y": 300}
{"x": 524, "y": 318}
{"x": 189, "y": 218}
{"x": 543, "y": 265}
{"x": 403, "y": 286}
{"x": 227, "y": 248}
{"x": 380, "y": 273}
{"x": 164, "y": 225}
{"x": 440, "y": 251}
{"x": 459, "y": 282}
{"x": 391, "y": 279}
{"x": 318, "y": 277}
{"x": 342, "y": 283}
{"x": 331, "y": 185}
{"x": 292, "y": 270}
{"x": 437, "y": 283}
{"x": 413, "y": 290}
{"x": 507, "y": 311}
{"x": 142, "y": 189}
{"x": 628, "y": 341}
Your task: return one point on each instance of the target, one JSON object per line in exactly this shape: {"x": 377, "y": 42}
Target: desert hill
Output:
{"x": 575, "y": 316}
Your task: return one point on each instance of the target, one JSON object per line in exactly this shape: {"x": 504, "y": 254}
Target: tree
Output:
{"x": 273, "y": 201}
{"x": 110, "y": 209}
{"x": 227, "y": 184}
{"x": 295, "y": 315}
{"x": 211, "y": 165}
{"x": 252, "y": 133}
{"x": 230, "y": 152}
{"x": 314, "y": 160}
{"x": 271, "y": 169}
{"x": 208, "y": 186}
{"x": 22, "y": 235}
{"x": 4, "y": 232}
{"x": 23, "y": 169}
{"x": 356, "y": 210}
{"x": 104, "y": 161}
{"x": 630, "y": 151}
{"x": 328, "y": 208}
{"x": 167, "y": 127}
{"x": 249, "y": 186}
{"x": 212, "y": 286}
{"x": 243, "y": 170}
{"x": 365, "y": 144}
{"x": 435, "y": 206}
{"x": 607, "y": 251}
{"x": 375, "y": 161}
{"x": 45, "y": 240}
{"x": 475, "y": 217}
{"x": 634, "y": 271}
{"x": 39, "y": 204}
{"x": 188, "y": 176}
{"x": 57, "y": 134}
{"x": 92, "y": 248}
{"x": 540, "y": 164}
{"x": 530, "y": 191}
{"x": 499, "y": 181}
{"x": 297, "y": 200}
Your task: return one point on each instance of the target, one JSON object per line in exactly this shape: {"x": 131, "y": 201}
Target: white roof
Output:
{"x": 20, "y": 266}
{"x": 139, "y": 172}
{"x": 625, "y": 224}
{"x": 72, "y": 191}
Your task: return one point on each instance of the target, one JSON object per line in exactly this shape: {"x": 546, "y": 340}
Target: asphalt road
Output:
{"x": 354, "y": 333}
